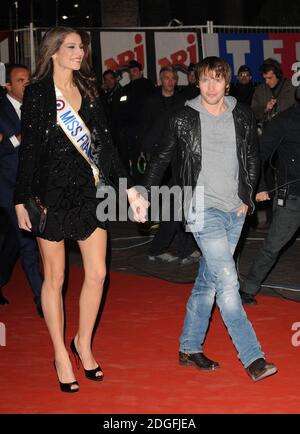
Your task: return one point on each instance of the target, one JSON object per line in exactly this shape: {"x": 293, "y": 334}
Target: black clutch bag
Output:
{"x": 37, "y": 215}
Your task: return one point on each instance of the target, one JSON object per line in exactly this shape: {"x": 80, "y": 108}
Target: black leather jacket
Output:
{"x": 182, "y": 146}
{"x": 38, "y": 122}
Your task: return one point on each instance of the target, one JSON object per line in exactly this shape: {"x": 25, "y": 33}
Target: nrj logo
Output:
{"x": 122, "y": 59}
{"x": 2, "y": 335}
{"x": 296, "y": 336}
{"x": 182, "y": 57}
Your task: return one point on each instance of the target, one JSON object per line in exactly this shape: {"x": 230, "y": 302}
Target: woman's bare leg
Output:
{"x": 93, "y": 251}
{"x": 53, "y": 256}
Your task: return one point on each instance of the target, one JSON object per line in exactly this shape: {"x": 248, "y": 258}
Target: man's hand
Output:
{"x": 242, "y": 210}
{"x": 138, "y": 205}
{"x": 23, "y": 217}
{"x": 262, "y": 196}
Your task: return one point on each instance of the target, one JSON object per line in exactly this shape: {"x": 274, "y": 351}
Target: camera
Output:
{"x": 281, "y": 196}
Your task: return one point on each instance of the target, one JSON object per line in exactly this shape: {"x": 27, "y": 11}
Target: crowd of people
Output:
{"x": 72, "y": 135}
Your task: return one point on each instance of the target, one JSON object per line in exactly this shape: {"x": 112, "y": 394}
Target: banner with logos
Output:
{"x": 176, "y": 49}
{"x": 6, "y": 47}
{"x": 155, "y": 48}
{"x": 119, "y": 48}
{"x": 252, "y": 48}
{"x": 152, "y": 49}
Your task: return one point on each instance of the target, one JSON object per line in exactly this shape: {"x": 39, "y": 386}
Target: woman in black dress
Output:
{"x": 64, "y": 177}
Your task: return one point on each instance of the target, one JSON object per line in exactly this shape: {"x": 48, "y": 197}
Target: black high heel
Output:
{"x": 91, "y": 374}
{"x": 67, "y": 387}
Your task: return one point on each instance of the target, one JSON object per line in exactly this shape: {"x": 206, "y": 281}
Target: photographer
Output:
{"x": 281, "y": 134}
{"x": 270, "y": 98}
{"x": 274, "y": 95}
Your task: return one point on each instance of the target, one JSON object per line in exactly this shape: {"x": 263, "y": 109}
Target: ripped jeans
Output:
{"x": 217, "y": 277}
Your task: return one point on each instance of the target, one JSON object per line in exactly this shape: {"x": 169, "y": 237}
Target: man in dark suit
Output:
{"x": 134, "y": 96}
{"x": 15, "y": 241}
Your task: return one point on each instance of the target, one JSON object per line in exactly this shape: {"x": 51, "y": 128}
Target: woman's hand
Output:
{"x": 138, "y": 205}
{"x": 23, "y": 217}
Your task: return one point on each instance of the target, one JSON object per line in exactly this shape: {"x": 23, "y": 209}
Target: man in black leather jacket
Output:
{"x": 282, "y": 134}
{"x": 212, "y": 143}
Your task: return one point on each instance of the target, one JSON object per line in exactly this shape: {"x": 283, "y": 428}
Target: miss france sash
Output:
{"x": 76, "y": 130}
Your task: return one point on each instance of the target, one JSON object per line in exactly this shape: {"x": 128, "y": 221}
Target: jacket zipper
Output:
{"x": 251, "y": 189}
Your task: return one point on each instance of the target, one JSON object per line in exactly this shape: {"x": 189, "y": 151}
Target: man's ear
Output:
{"x": 7, "y": 86}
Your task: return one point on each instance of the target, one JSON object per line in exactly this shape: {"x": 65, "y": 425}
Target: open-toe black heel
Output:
{"x": 67, "y": 387}
{"x": 91, "y": 374}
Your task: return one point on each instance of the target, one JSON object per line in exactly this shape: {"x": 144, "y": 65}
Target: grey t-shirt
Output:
{"x": 220, "y": 169}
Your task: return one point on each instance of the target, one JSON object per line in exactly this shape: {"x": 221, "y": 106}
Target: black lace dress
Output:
{"x": 71, "y": 192}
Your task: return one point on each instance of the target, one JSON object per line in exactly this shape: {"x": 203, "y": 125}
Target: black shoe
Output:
{"x": 260, "y": 369}
{"x": 199, "y": 360}
{"x": 67, "y": 387}
{"x": 3, "y": 300}
{"x": 91, "y": 374}
{"x": 247, "y": 298}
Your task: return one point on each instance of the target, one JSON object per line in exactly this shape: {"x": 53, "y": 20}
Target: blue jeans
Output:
{"x": 217, "y": 276}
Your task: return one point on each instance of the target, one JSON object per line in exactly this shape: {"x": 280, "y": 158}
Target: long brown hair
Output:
{"x": 51, "y": 42}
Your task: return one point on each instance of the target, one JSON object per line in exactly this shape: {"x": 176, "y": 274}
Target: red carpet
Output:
{"x": 137, "y": 344}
